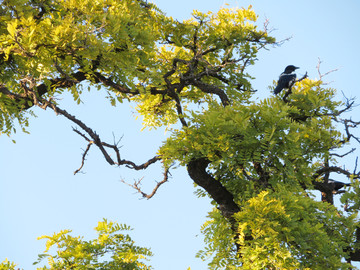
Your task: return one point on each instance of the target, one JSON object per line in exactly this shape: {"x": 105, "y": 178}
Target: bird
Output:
{"x": 336, "y": 185}
{"x": 286, "y": 79}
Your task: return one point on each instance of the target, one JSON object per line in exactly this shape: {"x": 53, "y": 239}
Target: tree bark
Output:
{"x": 197, "y": 171}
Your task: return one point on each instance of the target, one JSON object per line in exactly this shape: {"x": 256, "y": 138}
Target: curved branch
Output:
{"x": 331, "y": 169}
{"x": 137, "y": 184}
{"x": 143, "y": 166}
{"x": 329, "y": 187}
{"x": 212, "y": 89}
{"x": 197, "y": 171}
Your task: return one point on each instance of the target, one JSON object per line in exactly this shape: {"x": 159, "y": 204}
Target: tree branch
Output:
{"x": 137, "y": 184}
{"x": 225, "y": 200}
{"x": 197, "y": 171}
{"x": 212, "y": 89}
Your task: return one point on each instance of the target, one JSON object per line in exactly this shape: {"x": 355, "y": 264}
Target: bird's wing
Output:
{"x": 286, "y": 79}
{"x": 284, "y": 82}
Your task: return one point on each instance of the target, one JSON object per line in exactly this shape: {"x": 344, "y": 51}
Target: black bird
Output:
{"x": 336, "y": 185}
{"x": 286, "y": 79}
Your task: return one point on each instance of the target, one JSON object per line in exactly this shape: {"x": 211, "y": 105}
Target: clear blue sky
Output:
{"x": 40, "y": 195}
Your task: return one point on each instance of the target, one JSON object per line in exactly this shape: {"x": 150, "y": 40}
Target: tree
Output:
{"x": 111, "y": 250}
{"x": 257, "y": 160}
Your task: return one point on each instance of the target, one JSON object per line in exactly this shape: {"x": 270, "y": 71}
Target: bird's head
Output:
{"x": 290, "y": 69}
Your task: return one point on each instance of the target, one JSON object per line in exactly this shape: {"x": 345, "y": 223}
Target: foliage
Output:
{"x": 256, "y": 159}
{"x": 6, "y": 265}
{"x": 124, "y": 47}
{"x": 280, "y": 230}
{"x": 111, "y": 250}
{"x": 292, "y": 231}
{"x": 265, "y": 153}
{"x": 232, "y": 138}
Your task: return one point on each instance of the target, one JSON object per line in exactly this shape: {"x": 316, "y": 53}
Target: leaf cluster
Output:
{"x": 128, "y": 49}
{"x": 266, "y": 154}
{"x": 111, "y": 250}
{"x": 285, "y": 230}
{"x": 236, "y": 138}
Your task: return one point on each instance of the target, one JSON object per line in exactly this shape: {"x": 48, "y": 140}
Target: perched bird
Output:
{"x": 336, "y": 185}
{"x": 286, "y": 79}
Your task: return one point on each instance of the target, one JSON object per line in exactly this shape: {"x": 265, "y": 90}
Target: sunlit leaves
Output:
{"x": 284, "y": 229}
{"x": 263, "y": 152}
{"x": 287, "y": 230}
{"x": 133, "y": 45}
{"x": 57, "y": 38}
{"x": 264, "y": 132}
{"x": 219, "y": 240}
{"x": 111, "y": 250}
{"x": 6, "y": 265}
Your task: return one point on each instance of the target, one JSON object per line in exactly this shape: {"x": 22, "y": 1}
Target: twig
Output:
{"x": 356, "y": 163}
{"x": 325, "y": 74}
{"x": 83, "y": 158}
{"x": 137, "y": 184}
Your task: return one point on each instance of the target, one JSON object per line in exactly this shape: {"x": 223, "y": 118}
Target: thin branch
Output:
{"x": 348, "y": 123}
{"x": 83, "y": 158}
{"x": 131, "y": 165}
{"x": 356, "y": 163}
{"x": 321, "y": 75}
{"x": 94, "y": 138}
{"x": 137, "y": 185}
{"x": 343, "y": 155}
{"x": 89, "y": 131}
{"x": 81, "y": 134}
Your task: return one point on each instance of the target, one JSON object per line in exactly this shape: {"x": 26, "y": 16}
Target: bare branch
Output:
{"x": 132, "y": 165}
{"x": 343, "y": 155}
{"x": 348, "y": 123}
{"x": 89, "y": 131}
{"x": 329, "y": 187}
{"x": 94, "y": 137}
{"x": 349, "y": 104}
{"x": 321, "y": 75}
{"x": 83, "y": 158}
{"x": 137, "y": 185}
{"x": 336, "y": 169}
{"x": 356, "y": 163}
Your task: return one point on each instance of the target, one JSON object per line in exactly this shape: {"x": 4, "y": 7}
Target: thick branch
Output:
{"x": 329, "y": 187}
{"x": 212, "y": 89}
{"x": 330, "y": 169}
{"x": 197, "y": 171}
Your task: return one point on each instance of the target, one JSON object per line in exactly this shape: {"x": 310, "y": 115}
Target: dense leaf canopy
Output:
{"x": 257, "y": 160}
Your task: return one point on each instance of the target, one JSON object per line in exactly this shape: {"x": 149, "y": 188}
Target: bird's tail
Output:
{"x": 277, "y": 89}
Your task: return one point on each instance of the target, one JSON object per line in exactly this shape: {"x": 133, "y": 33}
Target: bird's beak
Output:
{"x": 296, "y": 67}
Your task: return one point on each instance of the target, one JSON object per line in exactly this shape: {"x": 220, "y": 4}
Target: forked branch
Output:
{"x": 93, "y": 138}
{"x": 136, "y": 185}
